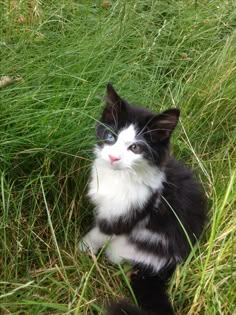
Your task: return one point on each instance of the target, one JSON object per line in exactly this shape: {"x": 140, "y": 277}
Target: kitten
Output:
{"x": 148, "y": 206}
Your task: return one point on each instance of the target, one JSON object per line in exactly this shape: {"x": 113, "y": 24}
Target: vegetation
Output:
{"x": 156, "y": 53}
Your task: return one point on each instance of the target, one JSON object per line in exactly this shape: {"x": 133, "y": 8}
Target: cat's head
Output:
{"x": 129, "y": 137}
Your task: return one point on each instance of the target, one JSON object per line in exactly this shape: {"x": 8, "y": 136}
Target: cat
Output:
{"x": 149, "y": 208}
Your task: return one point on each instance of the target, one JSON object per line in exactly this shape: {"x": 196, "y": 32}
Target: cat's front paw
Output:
{"x": 112, "y": 256}
{"x": 93, "y": 241}
{"x": 86, "y": 244}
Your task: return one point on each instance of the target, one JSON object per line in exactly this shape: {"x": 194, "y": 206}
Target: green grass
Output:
{"x": 157, "y": 53}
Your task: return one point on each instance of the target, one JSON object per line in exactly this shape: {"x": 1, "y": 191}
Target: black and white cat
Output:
{"x": 148, "y": 206}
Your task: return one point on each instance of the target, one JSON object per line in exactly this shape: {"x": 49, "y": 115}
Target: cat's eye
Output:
{"x": 135, "y": 148}
{"x": 109, "y": 137}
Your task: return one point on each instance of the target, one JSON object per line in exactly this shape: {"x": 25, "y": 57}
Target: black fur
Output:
{"x": 181, "y": 197}
{"x": 181, "y": 208}
{"x": 125, "y": 224}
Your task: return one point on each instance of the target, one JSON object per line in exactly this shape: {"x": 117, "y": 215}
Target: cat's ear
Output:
{"x": 162, "y": 125}
{"x": 112, "y": 96}
{"x": 115, "y": 105}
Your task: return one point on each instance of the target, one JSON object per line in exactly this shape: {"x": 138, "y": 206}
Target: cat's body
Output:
{"x": 148, "y": 207}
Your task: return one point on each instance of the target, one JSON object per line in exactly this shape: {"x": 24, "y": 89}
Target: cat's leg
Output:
{"x": 120, "y": 249}
{"x": 93, "y": 240}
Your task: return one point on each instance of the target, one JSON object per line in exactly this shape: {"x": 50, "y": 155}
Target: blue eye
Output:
{"x": 109, "y": 137}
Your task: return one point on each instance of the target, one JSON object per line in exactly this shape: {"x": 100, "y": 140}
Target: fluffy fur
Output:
{"x": 141, "y": 194}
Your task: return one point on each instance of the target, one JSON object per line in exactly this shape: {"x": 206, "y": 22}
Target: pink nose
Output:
{"x": 113, "y": 158}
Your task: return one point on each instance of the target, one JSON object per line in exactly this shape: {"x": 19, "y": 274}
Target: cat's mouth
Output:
{"x": 116, "y": 165}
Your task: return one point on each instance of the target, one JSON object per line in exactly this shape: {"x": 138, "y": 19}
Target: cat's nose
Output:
{"x": 113, "y": 158}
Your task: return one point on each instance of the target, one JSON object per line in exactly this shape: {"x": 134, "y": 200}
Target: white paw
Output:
{"x": 83, "y": 246}
{"x": 93, "y": 241}
{"x": 120, "y": 250}
{"x": 86, "y": 245}
{"x": 112, "y": 256}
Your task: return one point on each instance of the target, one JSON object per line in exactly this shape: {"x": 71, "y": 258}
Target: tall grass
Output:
{"x": 157, "y": 53}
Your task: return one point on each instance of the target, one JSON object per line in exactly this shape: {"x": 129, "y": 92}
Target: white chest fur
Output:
{"x": 116, "y": 192}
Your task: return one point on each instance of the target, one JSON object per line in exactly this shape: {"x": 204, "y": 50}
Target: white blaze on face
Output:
{"x": 120, "y": 149}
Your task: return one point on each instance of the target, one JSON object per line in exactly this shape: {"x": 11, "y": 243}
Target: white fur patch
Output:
{"x": 93, "y": 240}
{"x": 116, "y": 187}
{"x": 114, "y": 192}
{"x": 121, "y": 249}
{"x": 148, "y": 236}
